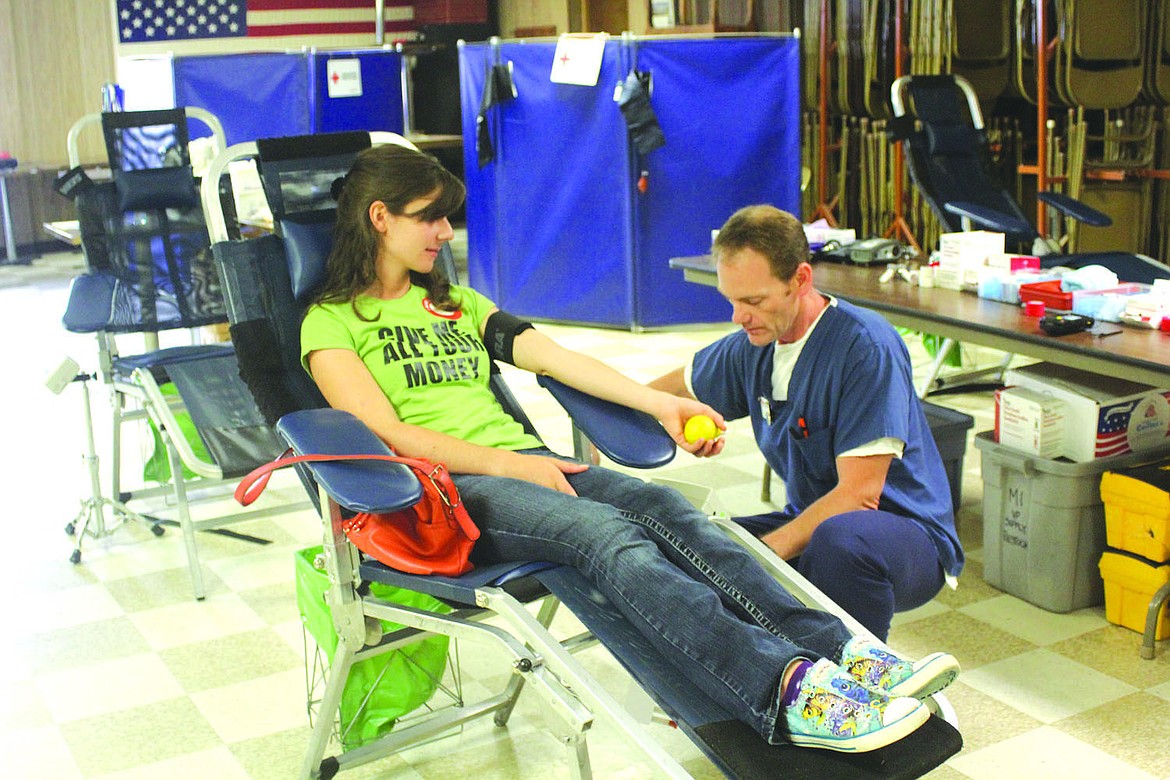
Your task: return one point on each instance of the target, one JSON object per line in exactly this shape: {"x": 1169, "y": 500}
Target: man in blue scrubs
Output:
{"x": 829, "y": 390}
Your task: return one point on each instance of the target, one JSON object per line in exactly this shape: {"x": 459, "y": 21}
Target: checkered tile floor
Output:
{"x": 111, "y": 670}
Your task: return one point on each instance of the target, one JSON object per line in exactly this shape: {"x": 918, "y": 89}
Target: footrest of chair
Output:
{"x": 731, "y": 744}
{"x": 740, "y": 752}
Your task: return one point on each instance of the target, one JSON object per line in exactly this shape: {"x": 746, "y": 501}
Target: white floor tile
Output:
{"x": 218, "y": 763}
{"x": 37, "y": 754}
{"x": 1030, "y": 622}
{"x": 107, "y": 687}
{"x": 1044, "y": 753}
{"x": 1045, "y": 685}
{"x": 256, "y": 708}
{"x": 197, "y": 621}
{"x": 40, "y": 612}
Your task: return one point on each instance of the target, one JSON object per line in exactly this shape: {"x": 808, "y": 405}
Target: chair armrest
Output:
{"x": 1074, "y": 208}
{"x": 91, "y": 298}
{"x": 360, "y": 486}
{"x": 623, "y": 435}
{"x": 988, "y": 217}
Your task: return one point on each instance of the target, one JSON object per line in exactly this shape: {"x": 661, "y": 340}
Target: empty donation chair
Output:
{"x": 150, "y": 271}
{"x": 269, "y": 281}
{"x": 941, "y": 126}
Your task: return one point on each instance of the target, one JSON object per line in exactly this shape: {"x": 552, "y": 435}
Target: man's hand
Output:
{"x": 673, "y": 412}
{"x": 784, "y": 542}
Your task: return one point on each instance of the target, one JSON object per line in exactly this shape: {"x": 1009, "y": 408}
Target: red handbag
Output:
{"x": 434, "y": 536}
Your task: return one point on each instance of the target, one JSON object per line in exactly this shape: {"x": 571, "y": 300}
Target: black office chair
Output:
{"x": 939, "y": 121}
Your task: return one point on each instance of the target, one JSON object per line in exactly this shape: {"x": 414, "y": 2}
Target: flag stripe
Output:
{"x": 343, "y": 28}
{"x": 260, "y": 21}
{"x": 328, "y": 5}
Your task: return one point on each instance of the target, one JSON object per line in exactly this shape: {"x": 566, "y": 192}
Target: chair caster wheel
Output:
{"x": 157, "y": 530}
{"x": 69, "y": 529}
{"x": 75, "y": 556}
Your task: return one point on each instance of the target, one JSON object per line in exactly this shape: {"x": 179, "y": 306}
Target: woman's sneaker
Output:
{"x": 873, "y": 664}
{"x": 832, "y": 710}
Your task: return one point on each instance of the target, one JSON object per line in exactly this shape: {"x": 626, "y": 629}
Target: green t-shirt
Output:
{"x": 431, "y": 364}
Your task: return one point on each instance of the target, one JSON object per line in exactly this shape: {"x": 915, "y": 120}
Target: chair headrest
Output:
{"x": 307, "y": 243}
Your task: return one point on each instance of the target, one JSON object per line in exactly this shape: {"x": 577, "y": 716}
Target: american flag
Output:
{"x": 201, "y": 26}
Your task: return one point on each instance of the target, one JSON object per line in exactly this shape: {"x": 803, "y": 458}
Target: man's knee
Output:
{"x": 838, "y": 541}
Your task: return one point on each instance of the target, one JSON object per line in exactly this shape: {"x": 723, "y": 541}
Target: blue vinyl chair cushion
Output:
{"x": 307, "y": 246}
{"x": 359, "y": 486}
{"x": 91, "y": 298}
{"x": 625, "y": 436}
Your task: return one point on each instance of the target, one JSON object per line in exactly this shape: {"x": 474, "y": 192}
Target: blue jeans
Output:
{"x": 871, "y": 563}
{"x": 697, "y": 596}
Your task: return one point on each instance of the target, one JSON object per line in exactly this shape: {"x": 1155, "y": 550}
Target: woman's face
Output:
{"x": 408, "y": 241}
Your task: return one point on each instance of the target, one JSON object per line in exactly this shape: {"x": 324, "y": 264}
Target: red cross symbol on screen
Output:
{"x": 336, "y": 77}
{"x": 564, "y": 59}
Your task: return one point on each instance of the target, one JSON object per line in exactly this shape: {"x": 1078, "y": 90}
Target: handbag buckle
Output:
{"x": 444, "y": 496}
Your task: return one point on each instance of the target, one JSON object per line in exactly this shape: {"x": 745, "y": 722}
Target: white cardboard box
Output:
{"x": 961, "y": 255}
{"x": 1103, "y": 416}
{"x": 1029, "y": 421}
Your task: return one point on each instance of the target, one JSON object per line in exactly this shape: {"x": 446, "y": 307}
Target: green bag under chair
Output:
{"x": 158, "y": 467}
{"x": 390, "y": 685}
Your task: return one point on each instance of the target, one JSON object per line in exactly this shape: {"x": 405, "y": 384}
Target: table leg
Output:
{"x": 6, "y": 216}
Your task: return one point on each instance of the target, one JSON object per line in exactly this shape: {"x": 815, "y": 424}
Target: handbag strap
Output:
{"x": 252, "y": 485}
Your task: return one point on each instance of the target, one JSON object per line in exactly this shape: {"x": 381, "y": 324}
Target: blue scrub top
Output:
{"x": 852, "y": 384}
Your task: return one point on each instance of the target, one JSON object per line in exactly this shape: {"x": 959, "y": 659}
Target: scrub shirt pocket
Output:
{"x": 816, "y": 455}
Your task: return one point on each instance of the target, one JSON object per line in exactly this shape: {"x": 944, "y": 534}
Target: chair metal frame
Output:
{"x": 135, "y": 396}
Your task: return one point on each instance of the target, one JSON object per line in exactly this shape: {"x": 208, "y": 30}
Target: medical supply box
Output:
{"x": 1130, "y": 584}
{"x": 1104, "y": 416}
{"x": 1044, "y": 524}
{"x": 1029, "y": 421}
{"x": 961, "y": 255}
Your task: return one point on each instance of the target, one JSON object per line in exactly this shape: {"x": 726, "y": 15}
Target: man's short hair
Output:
{"x": 775, "y": 234}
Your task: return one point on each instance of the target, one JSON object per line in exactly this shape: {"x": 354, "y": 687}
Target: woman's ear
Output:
{"x": 379, "y": 216}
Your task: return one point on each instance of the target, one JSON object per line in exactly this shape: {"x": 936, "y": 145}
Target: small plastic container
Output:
{"x": 1107, "y": 304}
{"x": 1049, "y": 293}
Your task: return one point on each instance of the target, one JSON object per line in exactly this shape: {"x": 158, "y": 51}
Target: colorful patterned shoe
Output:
{"x": 834, "y": 711}
{"x": 877, "y": 666}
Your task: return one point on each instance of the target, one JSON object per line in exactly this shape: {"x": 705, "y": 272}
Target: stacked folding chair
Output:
{"x": 1099, "y": 60}
{"x": 981, "y": 47}
{"x": 150, "y": 271}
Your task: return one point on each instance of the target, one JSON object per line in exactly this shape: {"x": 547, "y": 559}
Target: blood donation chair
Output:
{"x": 150, "y": 272}
{"x": 268, "y": 282}
{"x": 939, "y": 121}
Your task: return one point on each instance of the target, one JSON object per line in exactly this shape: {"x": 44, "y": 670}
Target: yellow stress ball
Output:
{"x": 700, "y": 427}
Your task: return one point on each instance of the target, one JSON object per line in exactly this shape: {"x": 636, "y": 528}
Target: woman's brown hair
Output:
{"x": 396, "y": 176}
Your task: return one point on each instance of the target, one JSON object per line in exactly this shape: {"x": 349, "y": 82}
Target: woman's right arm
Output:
{"x": 348, "y": 385}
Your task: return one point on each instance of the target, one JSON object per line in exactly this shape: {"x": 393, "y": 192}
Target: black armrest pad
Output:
{"x": 1074, "y": 208}
{"x": 91, "y": 297}
{"x": 988, "y": 217}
